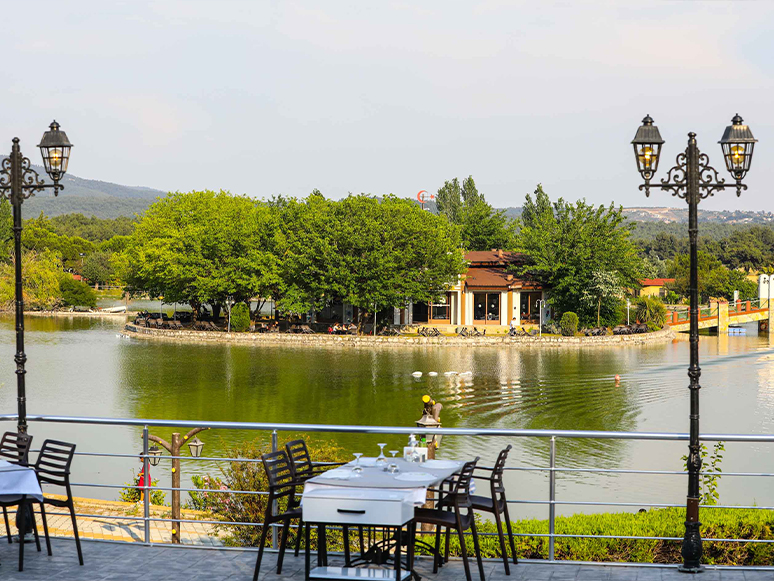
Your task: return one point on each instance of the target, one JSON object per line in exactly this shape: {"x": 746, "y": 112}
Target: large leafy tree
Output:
{"x": 482, "y": 227}
{"x": 583, "y": 253}
{"x": 715, "y": 279}
{"x": 40, "y": 280}
{"x": 369, "y": 253}
{"x": 202, "y": 247}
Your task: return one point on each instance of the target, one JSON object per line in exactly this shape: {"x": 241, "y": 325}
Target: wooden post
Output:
{"x": 174, "y": 450}
{"x": 176, "y": 484}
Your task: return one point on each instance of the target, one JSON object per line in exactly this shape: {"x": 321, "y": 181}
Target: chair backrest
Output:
{"x": 279, "y": 471}
{"x": 53, "y": 463}
{"x": 461, "y": 488}
{"x": 15, "y": 448}
{"x": 300, "y": 461}
{"x": 497, "y": 472}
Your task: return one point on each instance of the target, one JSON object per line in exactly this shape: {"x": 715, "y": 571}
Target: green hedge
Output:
{"x": 717, "y": 523}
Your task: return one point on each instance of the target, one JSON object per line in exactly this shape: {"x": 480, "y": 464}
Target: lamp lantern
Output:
{"x": 195, "y": 446}
{"x": 154, "y": 453}
{"x": 647, "y": 148}
{"x": 55, "y": 150}
{"x": 738, "y": 144}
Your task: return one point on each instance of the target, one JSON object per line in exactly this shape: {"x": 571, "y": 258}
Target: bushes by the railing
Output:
{"x": 130, "y": 494}
{"x": 250, "y": 476}
{"x": 668, "y": 522}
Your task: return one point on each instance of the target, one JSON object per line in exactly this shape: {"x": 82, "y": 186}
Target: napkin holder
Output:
{"x": 407, "y": 453}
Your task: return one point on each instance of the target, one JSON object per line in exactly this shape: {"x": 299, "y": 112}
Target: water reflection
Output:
{"x": 80, "y": 366}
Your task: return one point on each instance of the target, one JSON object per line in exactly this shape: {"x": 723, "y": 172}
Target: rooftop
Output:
{"x": 656, "y": 281}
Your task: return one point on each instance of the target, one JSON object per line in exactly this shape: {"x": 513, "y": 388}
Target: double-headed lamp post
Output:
{"x": 18, "y": 181}
{"x": 693, "y": 179}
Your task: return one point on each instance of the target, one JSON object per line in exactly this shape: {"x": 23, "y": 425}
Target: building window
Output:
{"x": 486, "y": 308}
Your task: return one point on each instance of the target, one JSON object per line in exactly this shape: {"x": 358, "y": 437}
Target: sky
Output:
{"x": 265, "y": 98}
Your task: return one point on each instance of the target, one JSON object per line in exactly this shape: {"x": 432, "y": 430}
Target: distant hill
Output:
{"x": 668, "y": 215}
{"x": 90, "y": 198}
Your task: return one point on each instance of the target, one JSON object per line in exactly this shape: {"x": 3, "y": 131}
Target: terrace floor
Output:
{"x": 128, "y": 562}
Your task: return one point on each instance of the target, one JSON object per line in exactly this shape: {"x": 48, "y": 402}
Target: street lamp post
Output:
{"x": 540, "y": 304}
{"x": 693, "y": 179}
{"x": 195, "y": 447}
{"x": 18, "y": 181}
{"x": 628, "y": 304}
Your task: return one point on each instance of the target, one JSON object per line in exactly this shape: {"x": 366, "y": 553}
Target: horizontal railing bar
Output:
{"x": 331, "y": 428}
{"x": 151, "y": 488}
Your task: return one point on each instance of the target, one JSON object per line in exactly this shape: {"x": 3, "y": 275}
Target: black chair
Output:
{"x": 282, "y": 490}
{"x": 448, "y": 514}
{"x": 304, "y": 469}
{"x": 497, "y": 504}
{"x": 15, "y": 448}
{"x": 53, "y": 468}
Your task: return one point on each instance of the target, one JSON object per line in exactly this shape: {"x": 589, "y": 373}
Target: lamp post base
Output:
{"x": 694, "y": 570}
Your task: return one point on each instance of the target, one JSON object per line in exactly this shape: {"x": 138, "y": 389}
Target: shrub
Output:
{"x": 76, "y": 293}
{"x": 251, "y": 476}
{"x": 240, "y": 318}
{"x": 651, "y": 310}
{"x": 569, "y": 324}
{"x": 130, "y": 494}
{"x": 551, "y": 328}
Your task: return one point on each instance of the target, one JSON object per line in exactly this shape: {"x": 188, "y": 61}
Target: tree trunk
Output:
{"x": 216, "y": 311}
{"x": 599, "y": 308}
{"x": 195, "y": 306}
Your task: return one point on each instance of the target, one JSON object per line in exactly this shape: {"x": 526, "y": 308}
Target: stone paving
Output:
{"x": 103, "y": 526}
{"x": 129, "y": 562}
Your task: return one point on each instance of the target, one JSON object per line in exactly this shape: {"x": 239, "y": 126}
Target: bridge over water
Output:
{"x": 722, "y": 314}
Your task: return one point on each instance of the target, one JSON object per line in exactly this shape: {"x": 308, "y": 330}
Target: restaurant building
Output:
{"x": 489, "y": 293}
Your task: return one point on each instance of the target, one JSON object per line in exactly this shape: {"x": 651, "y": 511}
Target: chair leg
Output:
{"x": 503, "y": 550}
{"x": 75, "y": 531}
{"x": 437, "y": 556}
{"x": 283, "y": 544}
{"x": 45, "y": 528}
{"x": 20, "y": 518}
{"x": 34, "y": 527}
{"x": 477, "y": 547}
{"x": 264, "y": 532}
{"x": 463, "y": 549}
{"x": 446, "y": 551}
{"x": 510, "y": 532}
{"x": 345, "y": 532}
{"x": 7, "y": 526}
{"x": 299, "y": 533}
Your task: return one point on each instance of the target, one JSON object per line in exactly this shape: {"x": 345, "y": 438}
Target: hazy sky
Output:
{"x": 282, "y": 97}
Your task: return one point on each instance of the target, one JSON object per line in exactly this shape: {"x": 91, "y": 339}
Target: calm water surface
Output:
{"x": 83, "y": 367}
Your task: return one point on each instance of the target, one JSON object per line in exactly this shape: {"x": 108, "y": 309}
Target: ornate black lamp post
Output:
{"x": 693, "y": 179}
{"x": 18, "y": 181}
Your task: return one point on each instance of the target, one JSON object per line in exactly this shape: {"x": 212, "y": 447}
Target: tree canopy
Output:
{"x": 584, "y": 254}
{"x": 481, "y": 226}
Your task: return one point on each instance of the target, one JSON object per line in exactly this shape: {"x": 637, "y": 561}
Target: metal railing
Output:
{"x": 552, "y": 436}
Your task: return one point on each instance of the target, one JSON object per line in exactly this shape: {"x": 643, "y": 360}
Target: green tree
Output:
{"x": 567, "y": 244}
{"x": 97, "y": 267}
{"x": 372, "y": 254}
{"x": 482, "y": 226}
{"x": 240, "y": 317}
{"x": 202, "y": 247}
{"x": 76, "y": 293}
{"x": 40, "y": 281}
{"x": 715, "y": 279}
{"x": 603, "y": 287}
{"x": 6, "y": 230}
{"x": 650, "y": 310}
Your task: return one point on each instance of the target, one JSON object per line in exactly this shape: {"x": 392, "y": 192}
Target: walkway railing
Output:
{"x": 552, "y": 469}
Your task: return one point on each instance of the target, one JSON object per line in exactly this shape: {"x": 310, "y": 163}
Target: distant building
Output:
{"x": 653, "y": 287}
{"x": 487, "y": 294}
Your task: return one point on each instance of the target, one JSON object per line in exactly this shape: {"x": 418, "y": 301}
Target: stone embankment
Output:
{"x": 291, "y": 339}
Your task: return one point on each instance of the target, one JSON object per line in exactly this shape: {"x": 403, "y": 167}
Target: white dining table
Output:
{"x": 370, "y": 497}
{"x": 18, "y": 481}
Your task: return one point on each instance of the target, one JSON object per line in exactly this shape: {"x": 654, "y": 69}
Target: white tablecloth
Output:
{"x": 16, "y": 481}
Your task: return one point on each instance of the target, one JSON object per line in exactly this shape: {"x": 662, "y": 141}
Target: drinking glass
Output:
{"x": 394, "y": 452}
{"x": 381, "y": 460}
{"x": 357, "y": 468}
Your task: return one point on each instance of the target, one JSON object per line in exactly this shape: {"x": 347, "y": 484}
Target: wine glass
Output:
{"x": 357, "y": 468}
{"x": 394, "y": 452}
{"x": 393, "y": 466}
{"x": 381, "y": 460}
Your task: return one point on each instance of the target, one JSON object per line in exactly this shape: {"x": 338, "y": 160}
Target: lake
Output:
{"x": 83, "y": 367}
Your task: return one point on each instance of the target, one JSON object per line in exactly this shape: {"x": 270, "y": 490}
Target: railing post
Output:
{"x": 552, "y": 500}
{"x": 146, "y": 491}
{"x": 275, "y": 507}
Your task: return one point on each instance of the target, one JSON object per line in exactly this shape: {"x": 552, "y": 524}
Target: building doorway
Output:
{"x": 530, "y": 311}
{"x": 486, "y": 308}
